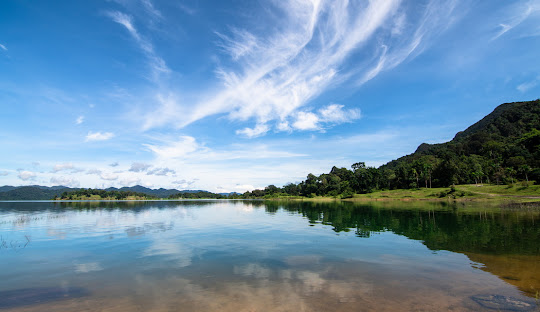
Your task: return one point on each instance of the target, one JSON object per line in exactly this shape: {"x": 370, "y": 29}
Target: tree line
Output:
{"x": 90, "y": 193}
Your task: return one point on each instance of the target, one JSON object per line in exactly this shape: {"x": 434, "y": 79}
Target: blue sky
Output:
{"x": 235, "y": 95}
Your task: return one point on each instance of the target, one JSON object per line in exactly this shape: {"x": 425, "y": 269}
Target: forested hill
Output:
{"x": 31, "y": 192}
{"x": 502, "y": 147}
{"x": 37, "y": 192}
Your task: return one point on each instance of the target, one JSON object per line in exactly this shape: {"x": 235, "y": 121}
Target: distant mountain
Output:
{"x": 34, "y": 192}
{"x": 160, "y": 193}
{"x": 6, "y": 188}
{"x": 38, "y": 192}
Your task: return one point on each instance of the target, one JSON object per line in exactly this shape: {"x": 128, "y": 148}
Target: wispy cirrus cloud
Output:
{"x": 98, "y": 136}
{"x": 151, "y": 9}
{"x": 79, "y": 120}
{"x": 179, "y": 148}
{"x": 526, "y": 86}
{"x": 516, "y": 14}
{"x": 274, "y": 74}
{"x": 3, "y": 47}
{"x": 156, "y": 63}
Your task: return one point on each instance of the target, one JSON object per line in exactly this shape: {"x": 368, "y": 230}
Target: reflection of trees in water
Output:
{"x": 135, "y": 206}
{"x": 449, "y": 229}
{"x": 505, "y": 241}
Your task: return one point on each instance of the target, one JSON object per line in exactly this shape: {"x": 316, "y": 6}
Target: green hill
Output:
{"x": 33, "y": 192}
{"x": 503, "y": 147}
{"x": 37, "y": 192}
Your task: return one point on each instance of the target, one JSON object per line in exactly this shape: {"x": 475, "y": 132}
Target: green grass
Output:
{"x": 519, "y": 192}
{"x": 422, "y": 193}
{"x": 516, "y": 189}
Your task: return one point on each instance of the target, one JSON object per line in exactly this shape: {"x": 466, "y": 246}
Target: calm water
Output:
{"x": 266, "y": 256}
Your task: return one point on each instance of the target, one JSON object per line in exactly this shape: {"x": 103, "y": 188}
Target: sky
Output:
{"x": 229, "y": 96}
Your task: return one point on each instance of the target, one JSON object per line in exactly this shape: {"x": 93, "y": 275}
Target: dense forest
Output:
{"x": 198, "y": 195}
{"x": 119, "y": 194}
{"x": 33, "y": 192}
{"x": 82, "y": 194}
{"x": 503, "y": 147}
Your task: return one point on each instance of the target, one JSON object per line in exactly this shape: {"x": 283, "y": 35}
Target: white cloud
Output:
{"x": 151, "y": 9}
{"x": 259, "y": 130}
{"x": 114, "y": 164}
{"x": 130, "y": 181}
{"x": 98, "y": 136}
{"x": 94, "y": 171}
{"x": 276, "y": 72}
{"x": 27, "y": 175}
{"x": 138, "y": 167}
{"x": 184, "y": 184}
{"x": 3, "y": 47}
{"x": 3, "y": 173}
{"x": 306, "y": 121}
{"x": 63, "y": 181}
{"x": 64, "y": 166}
{"x": 243, "y": 187}
{"x": 160, "y": 171}
{"x": 526, "y": 86}
{"x": 187, "y": 148}
{"x": 334, "y": 113}
{"x": 177, "y": 149}
{"x": 329, "y": 115}
{"x": 167, "y": 111}
{"x": 108, "y": 176}
{"x": 148, "y": 184}
{"x": 79, "y": 120}
{"x": 516, "y": 14}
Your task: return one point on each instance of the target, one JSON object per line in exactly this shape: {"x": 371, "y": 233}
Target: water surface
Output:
{"x": 264, "y": 256}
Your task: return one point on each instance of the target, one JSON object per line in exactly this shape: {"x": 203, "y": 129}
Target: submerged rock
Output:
{"x": 503, "y": 303}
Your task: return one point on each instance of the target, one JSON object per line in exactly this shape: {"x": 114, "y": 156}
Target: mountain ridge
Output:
{"x": 38, "y": 192}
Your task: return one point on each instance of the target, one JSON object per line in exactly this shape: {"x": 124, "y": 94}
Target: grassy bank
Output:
{"x": 518, "y": 192}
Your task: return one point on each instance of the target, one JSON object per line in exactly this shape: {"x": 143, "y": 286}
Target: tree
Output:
{"x": 271, "y": 190}
{"x": 510, "y": 172}
{"x": 525, "y": 169}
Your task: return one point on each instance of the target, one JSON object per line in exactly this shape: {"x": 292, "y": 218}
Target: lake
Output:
{"x": 267, "y": 256}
